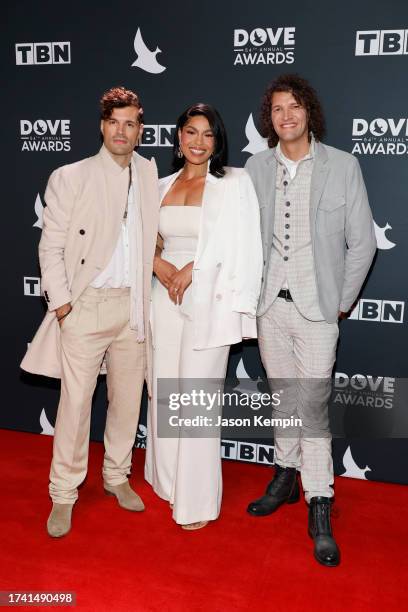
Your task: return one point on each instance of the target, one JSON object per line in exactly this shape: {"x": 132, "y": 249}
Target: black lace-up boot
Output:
{"x": 284, "y": 488}
{"x": 326, "y": 551}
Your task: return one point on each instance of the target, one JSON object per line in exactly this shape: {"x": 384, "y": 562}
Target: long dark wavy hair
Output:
{"x": 304, "y": 95}
{"x": 219, "y": 158}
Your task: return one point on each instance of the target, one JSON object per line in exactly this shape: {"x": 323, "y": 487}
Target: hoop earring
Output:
{"x": 180, "y": 153}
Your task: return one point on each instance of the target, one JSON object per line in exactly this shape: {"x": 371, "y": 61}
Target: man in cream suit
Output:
{"x": 96, "y": 256}
{"x": 318, "y": 243}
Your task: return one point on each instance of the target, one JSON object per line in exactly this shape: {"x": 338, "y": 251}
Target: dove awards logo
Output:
{"x": 381, "y": 42}
{"x": 380, "y": 136}
{"x": 363, "y": 390}
{"x": 146, "y": 60}
{"x": 45, "y": 135}
{"x": 255, "y": 141}
{"x": 266, "y": 46}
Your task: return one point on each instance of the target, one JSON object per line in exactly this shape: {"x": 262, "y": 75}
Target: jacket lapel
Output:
{"x": 213, "y": 198}
{"x": 165, "y": 184}
{"x": 148, "y": 204}
{"x": 319, "y": 177}
{"x": 268, "y": 202}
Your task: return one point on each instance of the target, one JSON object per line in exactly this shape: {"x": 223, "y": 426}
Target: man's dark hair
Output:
{"x": 304, "y": 95}
{"x": 119, "y": 97}
{"x": 220, "y": 156}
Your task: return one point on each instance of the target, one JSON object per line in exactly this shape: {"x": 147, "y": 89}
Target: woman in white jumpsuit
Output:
{"x": 204, "y": 298}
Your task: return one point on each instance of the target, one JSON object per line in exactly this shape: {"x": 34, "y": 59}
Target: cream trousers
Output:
{"x": 97, "y": 326}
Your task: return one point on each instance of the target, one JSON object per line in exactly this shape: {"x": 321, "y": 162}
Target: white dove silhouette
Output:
{"x": 47, "y": 428}
{"x": 241, "y": 371}
{"x": 146, "y": 59}
{"x": 382, "y": 240}
{"x": 255, "y": 141}
{"x": 143, "y": 431}
{"x": 352, "y": 469}
{"x": 39, "y": 209}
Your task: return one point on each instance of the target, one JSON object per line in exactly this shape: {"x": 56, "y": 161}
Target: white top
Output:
{"x": 292, "y": 166}
{"x": 226, "y": 282}
{"x": 117, "y": 273}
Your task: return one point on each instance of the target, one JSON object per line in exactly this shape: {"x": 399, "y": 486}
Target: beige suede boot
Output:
{"x": 59, "y": 521}
{"x": 127, "y": 498}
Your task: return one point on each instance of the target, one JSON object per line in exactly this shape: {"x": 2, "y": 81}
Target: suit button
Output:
{"x": 218, "y": 296}
{"x": 285, "y": 183}
{"x": 287, "y": 237}
{"x": 82, "y": 261}
{"x": 219, "y": 265}
{"x": 82, "y": 232}
{"x": 287, "y": 203}
{"x": 286, "y": 248}
{"x": 287, "y": 226}
{"x": 287, "y": 215}
{"x": 286, "y": 258}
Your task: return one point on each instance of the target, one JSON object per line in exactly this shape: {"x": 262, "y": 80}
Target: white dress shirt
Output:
{"x": 117, "y": 272}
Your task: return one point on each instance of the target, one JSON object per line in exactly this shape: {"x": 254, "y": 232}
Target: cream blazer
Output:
{"x": 228, "y": 263}
{"x": 82, "y": 222}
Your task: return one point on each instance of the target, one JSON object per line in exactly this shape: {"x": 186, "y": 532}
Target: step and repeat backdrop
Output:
{"x": 57, "y": 61}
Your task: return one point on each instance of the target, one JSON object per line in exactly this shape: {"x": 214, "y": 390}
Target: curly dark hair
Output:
{"x": 219, "y": 158}
{"x": 119, "y": 97}
{"x": 304, "y": 95}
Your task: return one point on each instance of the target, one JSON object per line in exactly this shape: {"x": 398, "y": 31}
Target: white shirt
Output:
{"x": 292, "y": 166}
{"x": 117, "y": 272}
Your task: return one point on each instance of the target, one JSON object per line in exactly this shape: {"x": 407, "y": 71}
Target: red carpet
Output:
{"x": 117, "y": 560}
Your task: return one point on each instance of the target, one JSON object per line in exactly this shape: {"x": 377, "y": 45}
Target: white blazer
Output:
{"x": 228, "y": 263}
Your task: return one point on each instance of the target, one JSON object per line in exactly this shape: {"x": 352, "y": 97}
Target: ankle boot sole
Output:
{"x": 268, "y": 512}
{"x": 59, "y": 536}
{"x": 140, "y": 509}
{"x": 325, "y": 563}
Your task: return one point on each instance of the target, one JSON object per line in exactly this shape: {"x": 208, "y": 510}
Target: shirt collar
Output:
{"x": 110, "y": 164}
{"x": 310, "y": 155}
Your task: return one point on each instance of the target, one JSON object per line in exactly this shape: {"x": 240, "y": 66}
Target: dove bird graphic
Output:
{"x": 255, "y": 141}
{"x": 352, "y": 469}
{"x": 146, "y": 59}
{"x": 382, "y": 241}
{"x": 241, "y": 371}
{"x": 47, "y": 428}
{"x": 38, "y": 209}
